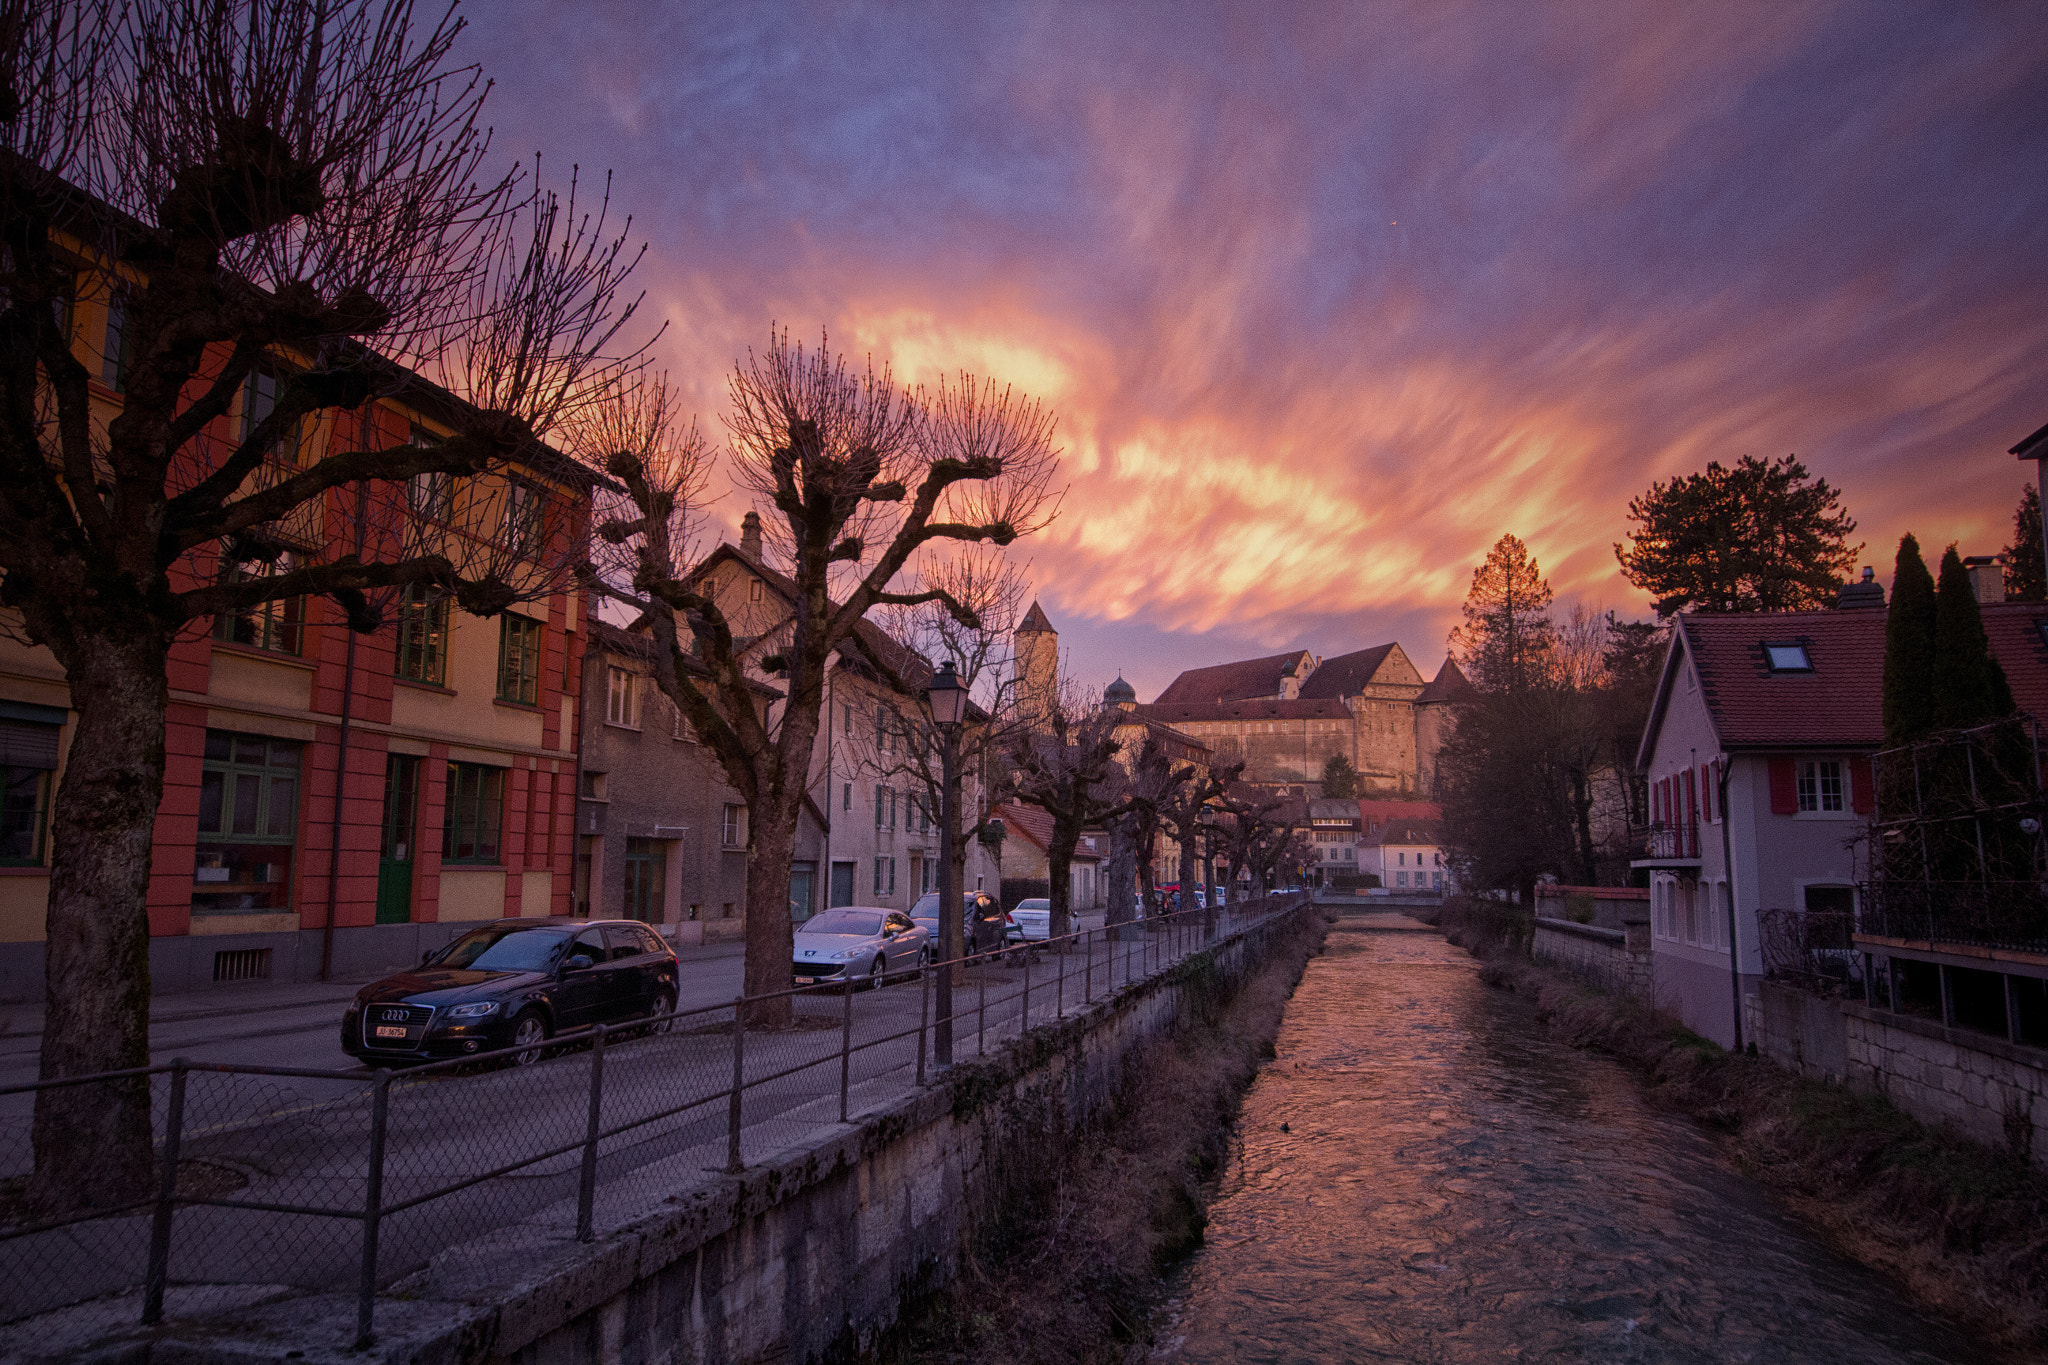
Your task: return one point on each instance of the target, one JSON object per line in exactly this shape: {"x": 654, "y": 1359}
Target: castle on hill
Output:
{"x": 1287, "y": 714}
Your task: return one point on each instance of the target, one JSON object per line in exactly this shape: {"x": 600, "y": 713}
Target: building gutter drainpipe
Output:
{"x": 576, "y": 835}
{"x": 1728, "y": 870}
{"x": 348, "y": 700}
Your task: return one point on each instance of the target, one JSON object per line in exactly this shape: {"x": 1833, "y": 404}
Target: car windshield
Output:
{"x": 1034, "y": 904}
{"x": 927, "y": 906}
{"x": 866, "y": 923}
{"x": 516, "y": 949}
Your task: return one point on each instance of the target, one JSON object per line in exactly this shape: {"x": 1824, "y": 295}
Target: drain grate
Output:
{"x": 242, "y": 964}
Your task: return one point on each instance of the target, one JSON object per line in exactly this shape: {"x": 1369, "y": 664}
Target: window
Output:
{"x": 431, "y": 496}
{"x": 646, "y": 864}
{"x": 1820, "y": 786}
{"x": 422, "y": 654}
{"x": 277, "y": 625}
{"x": 248, "y": 822}
{"x": 622, "y": 699}
{"x": 885, "y": 876}
{"x": 120, "y": 346}
{"x": 260, "y": 392}
{"x": 881, "y": 794}
{"x": 1787, "y": 657}
{"x": 846, "y": 796}
{"x": 753, "y": 590}
{"x": 475, "y": 814}
{"x": 24, "y": 810}
{"x": 523, "y": 517}
{"x": 881, "y": 730}
{"x": 733, "y": 829}
{"x": 519, "y": 661}
{"x": 593, "y": 786}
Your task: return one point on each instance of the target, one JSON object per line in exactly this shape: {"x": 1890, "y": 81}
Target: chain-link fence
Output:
{"x": 318, "y": 1179}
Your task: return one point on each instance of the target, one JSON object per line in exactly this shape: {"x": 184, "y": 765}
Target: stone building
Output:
{"x": 1287, "y": 715}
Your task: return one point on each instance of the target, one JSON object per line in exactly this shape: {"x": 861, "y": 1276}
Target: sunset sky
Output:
{"x": 1329, "y": 296}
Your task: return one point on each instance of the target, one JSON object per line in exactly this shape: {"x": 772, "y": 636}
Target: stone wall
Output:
{"x": 1797, "y": 1029}
{"x": 1613, "y": 959}
{"x": 1986, "y": 1087}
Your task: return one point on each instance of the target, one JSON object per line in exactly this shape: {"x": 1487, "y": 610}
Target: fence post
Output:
{"x": 1024, "y": 1017}
{"x": 733, "y": 1165}
{"x": 586, "y": 1194}
{"x": 1059, "y": 993}
{"x": 981, "y": 1025}
{"x": 845, "y": 1044}
{"x": 1087, "y": 969}
{"x": 373, "y": 1205}
{"x": 924, "y": 1003}
{"x": 166, "y": 1197}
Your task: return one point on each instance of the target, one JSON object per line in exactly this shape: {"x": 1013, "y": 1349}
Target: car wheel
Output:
{"x": 658, "y": 1013}
{"x": 929, "y": 958}
{"x": 529, "y": 1031}
{"x": 879, "y": 972}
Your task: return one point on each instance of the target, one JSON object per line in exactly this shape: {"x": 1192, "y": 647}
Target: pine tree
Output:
{"x": 2026, "y": 574}
{"x": 1340, "y": 779}
{"x": 1965, "y": 693}
{"x": 1508, "y": 637}
{"x": 1909, "y": 648}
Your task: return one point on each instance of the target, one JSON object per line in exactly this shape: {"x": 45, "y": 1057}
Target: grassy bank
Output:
{"x": 1963, "y": 1226}
{"x": 1068, "y": 1273}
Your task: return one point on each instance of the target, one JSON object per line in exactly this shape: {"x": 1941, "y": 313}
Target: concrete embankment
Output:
{"x": 809, "y": 1254}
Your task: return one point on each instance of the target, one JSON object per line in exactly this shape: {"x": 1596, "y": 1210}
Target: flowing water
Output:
{"x": 1422, "y": 1176}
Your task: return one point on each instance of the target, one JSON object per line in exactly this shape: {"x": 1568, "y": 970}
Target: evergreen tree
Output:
{"x": 1763, "y": 535}
{"x": 1909, "y": 648}
{"x": 1966, "y": 680}
{"x": 1340, "y": 779}
{"x": 1508, "y": 637}
{"x": 2026, "y": 574}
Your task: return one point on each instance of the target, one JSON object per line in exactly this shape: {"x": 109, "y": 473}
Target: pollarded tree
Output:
{"x": 1507, "y": 639}
{"x": 851, "y": 475}
{"x": 1763, "y": 535}
{"x": 227, "y": 229}
{"x": 1067, "y": 765}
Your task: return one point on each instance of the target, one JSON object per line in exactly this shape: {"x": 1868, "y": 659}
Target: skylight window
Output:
{"x": 1787, "y": 658}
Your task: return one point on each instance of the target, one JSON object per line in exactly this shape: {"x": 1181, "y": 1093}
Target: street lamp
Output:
{"x": 948, "y": 702}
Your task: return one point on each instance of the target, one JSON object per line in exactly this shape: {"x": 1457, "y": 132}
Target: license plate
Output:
{"x": 391, "y": 1030}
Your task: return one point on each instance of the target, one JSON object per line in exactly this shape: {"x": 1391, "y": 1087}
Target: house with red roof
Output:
{"x": 1758, "y": 757}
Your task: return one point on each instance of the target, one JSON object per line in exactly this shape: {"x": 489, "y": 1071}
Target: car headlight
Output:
{"x": 476, "y": 1011}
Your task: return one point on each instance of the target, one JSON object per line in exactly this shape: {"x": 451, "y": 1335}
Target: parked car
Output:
{"x": 1030, "y": 922}
{"x": 925, "y": 914}
{"x": 858, "y": 943}
{"x": 515, "y": 983}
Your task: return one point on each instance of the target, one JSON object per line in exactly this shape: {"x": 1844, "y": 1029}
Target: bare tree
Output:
{"x": 1253, "y": 822}
{"x": 851, "y": 476}
{"x": 1185, "y": 810}
{"x": 282, "y": 210}
{"x": 991, "y": 586}
{"x": 1068, "y": 767}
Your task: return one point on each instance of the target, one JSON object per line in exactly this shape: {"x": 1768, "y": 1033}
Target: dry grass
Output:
{"x": 1963, "y": 1226}
{"x": 1067, "y": 1271}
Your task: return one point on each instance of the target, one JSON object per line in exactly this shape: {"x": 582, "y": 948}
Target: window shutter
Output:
{"x": 1707, "y": 793}
{"x": 1784, "y": 786}
{"x": 1862, "y": 786}
{"x": 26, "y": 744}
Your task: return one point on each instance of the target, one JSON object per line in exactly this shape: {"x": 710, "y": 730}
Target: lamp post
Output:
{"x": 948, "y": 702}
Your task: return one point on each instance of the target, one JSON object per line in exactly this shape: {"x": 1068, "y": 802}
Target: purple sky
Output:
{"x": 1330, "y": 296}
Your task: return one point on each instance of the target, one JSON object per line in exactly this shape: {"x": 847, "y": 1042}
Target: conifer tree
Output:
{"x": 1909, "y": 648}
{"x": 1508, "y": 637}
{"x": 1340, "y": 779}
{"x": 1965, "y": 693}
{"x": 2026, "y": 573}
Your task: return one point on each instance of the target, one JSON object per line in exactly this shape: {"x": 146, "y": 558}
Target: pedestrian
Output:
{"x": 988, "y": 923}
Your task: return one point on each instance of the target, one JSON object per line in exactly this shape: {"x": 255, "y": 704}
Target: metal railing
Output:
{"x": 1994, "y": 914}
{"x": 1811, "y": 949}
{"x": 1680, "y": 839}
{"x": 312, "y": 1178}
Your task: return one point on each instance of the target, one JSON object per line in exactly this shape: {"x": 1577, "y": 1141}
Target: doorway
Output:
{"x": 395, "y": 852}
{"x": 842, "y": 884}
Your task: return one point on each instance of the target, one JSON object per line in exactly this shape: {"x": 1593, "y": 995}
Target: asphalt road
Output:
{"x": 304, "y": 1142}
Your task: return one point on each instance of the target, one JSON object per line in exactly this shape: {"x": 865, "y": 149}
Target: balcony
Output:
{"x": 1674, "y": 845}
{"x": 2007, "y": 915}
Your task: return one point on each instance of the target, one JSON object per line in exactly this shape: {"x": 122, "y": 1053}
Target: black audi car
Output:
{"x": 513, "y": 983}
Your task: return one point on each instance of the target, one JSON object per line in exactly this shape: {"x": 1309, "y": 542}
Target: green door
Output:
{"x": 394, "y": 857}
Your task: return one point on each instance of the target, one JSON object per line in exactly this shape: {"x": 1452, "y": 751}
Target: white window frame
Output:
{"x": 622, "y": 698}
{"x": 732, "y": 827}
{"x": 1809, "y": 782}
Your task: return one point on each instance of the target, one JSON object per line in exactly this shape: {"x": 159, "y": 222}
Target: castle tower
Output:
{"x": 1038, "y": 662}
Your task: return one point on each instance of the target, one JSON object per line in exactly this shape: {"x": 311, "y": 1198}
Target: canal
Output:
{"x": 1422, "y": 1176}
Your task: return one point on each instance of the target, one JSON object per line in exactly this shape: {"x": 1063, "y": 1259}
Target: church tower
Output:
{"x": 1038, "y": 663}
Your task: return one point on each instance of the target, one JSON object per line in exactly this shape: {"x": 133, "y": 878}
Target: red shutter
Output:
{"x": 1692, "y": 816}
{"x": 1862, "y": 786}
{"x": 1706, "y": 793}
{"x": 1784, "y": 786}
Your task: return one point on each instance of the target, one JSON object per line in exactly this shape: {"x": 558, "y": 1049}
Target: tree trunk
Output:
{"x": 770, "y": 936}
{"x": 1186, "y": 873}
{"x": 1123, "y": 872}
{"x": 1059, "y": 869}
{"x": 93, "y": 1143}
{"x": 1582, "y": 809}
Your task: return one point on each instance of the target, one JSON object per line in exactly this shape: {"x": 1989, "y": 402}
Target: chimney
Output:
{"x": 1868, "y": 593}
{"x": 750, "y": 536}
{"x": 1987, "y": 577}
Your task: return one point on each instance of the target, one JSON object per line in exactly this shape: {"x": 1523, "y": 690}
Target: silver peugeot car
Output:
{"x": 858, "y": 943}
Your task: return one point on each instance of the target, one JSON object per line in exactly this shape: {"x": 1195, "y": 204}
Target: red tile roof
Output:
{"x": 2014, "y": 629}
{"x": 1375, "y": 810}
{"x": 1347, "y": 674}
{"x": 1232, "y": 682}
{"x": 1036, "y": 827}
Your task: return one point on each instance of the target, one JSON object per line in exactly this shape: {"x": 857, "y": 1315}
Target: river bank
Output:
{"x": 1069, "y": 1272}
{"x": 1963, "y": 1227}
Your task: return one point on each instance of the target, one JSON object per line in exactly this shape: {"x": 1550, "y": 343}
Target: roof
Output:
{"x": 2034, "y": 447}
{"x": 1034, "y": 621}
{"x": 1333, "y": 808}
{"x": 1406, "y": 832}
{"x": 915, "y": 670}
{"x": 1347, "y": 674}
{"x": 1239, "y": 681}
{"x": 1840, "y": 704}
{"x": 634, "y": 645}
{"x": 1379, "y": 811}
{"x": 1181, "y": 713}
{"x": 1176, "y": 743}
{"x": 1449, "y": 684}
{"x": 1035, "y": 825}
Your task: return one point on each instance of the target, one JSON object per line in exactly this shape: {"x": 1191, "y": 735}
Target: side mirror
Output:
{"x": 426, "y": 957}
{"x": 577, "y": 963}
